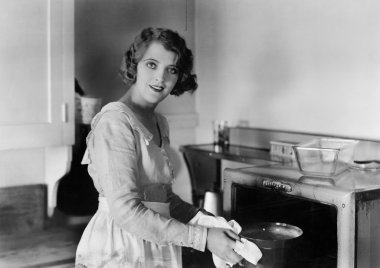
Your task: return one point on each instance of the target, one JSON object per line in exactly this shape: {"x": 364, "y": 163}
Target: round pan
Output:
{"x": 271, "y": 234}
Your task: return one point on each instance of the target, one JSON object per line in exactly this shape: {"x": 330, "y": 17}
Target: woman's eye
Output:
{"x": 151, "y": 65}
{"x": 173, "y": 70}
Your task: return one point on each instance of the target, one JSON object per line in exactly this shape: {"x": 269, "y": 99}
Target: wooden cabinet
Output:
{"x": 36, "y": 73}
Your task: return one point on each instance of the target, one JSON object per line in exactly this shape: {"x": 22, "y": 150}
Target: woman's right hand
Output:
{"x": 221, "y": 242}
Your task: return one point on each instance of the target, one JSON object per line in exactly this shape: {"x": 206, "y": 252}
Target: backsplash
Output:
{"x": 260, "y": 138}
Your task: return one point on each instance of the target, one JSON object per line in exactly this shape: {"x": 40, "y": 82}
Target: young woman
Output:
{"x": 140, "y": 222}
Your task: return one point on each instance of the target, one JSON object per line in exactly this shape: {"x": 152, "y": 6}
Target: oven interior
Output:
{"x": 317, "y": 247}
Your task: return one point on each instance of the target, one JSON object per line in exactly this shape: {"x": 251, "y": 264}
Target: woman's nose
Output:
{"x": 158, "y": 79}
{"x": 159, "y": 76}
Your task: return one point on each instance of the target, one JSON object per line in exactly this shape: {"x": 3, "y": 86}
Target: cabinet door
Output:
{"x": 36, "y": 73}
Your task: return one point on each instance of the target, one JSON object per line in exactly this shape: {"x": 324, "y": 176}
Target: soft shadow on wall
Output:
{"x": 105, "y": 29}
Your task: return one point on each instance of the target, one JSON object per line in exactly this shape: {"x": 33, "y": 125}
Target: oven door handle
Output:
{"x": 277, "y": 185}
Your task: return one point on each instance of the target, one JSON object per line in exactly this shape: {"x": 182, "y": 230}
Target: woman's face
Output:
{"x": 157, "y": 73}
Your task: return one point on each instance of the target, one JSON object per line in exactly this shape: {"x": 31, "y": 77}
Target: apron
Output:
{"x": 104, "y": 244}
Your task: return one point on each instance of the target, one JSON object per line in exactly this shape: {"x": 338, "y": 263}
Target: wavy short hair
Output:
{"x": 172, "y": 41}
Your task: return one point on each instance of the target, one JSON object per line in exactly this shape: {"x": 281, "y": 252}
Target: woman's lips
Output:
{"x": 156, "y": 88}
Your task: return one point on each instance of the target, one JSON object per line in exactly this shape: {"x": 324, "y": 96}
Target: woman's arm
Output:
{"x": 179, "y": 209}
{"x": 183, "y": 211}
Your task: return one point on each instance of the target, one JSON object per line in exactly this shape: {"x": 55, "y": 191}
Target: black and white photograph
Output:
{"x": 189, "y": 133}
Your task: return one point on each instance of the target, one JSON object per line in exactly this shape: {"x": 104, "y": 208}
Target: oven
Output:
{"x": 339, "y": 216}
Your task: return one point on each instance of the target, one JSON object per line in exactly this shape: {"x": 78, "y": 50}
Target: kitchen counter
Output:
{"x": 249, "y": 155}
{"x": 205, "y": 168}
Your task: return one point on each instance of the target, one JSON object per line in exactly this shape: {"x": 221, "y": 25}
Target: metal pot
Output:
{"x": 275, "y": 240}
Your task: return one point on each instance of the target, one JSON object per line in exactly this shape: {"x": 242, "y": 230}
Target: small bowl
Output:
{"x": 324, "y": 157}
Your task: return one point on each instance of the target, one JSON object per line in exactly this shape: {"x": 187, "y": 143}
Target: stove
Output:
{"x": 339, "y": 215}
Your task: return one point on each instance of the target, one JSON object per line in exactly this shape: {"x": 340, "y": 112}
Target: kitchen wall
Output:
{"x": 291, "y": 65}
{"x": 309, "y": 66}
{"x": 104, "y": 30}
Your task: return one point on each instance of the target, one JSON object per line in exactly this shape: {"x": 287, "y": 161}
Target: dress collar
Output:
{"x": 136, "y": 123}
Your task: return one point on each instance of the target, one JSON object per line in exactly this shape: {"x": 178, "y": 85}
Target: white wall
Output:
{"x": 257, "y": 60}
{"x": 309, "y": 66}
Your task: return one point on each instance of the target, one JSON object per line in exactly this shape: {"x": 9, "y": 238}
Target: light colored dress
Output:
{"x": 140, "y": 222}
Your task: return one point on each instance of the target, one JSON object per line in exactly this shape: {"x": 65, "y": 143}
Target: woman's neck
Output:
{"x": 138, "y": 106}
{"x": 145, "y": 113}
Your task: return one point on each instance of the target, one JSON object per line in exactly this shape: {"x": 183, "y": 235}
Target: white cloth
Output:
{"x": 245, "y": 248}
{"x": 248, "y": 250}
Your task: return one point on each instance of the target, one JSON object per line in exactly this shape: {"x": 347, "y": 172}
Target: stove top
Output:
{"x": 350, "y": 180}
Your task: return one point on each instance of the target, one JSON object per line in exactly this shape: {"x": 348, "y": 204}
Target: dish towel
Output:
{"x": 245, "y": 248}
